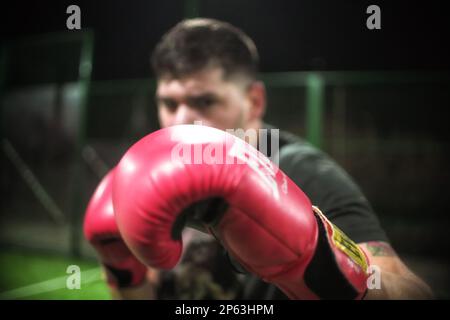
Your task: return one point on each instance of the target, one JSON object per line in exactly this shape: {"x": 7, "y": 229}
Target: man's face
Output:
{"x": 207, "y": 97}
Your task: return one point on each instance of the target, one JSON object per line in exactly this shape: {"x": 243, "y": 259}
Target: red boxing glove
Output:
{"x": 100, "y": 229}
{"x": 268, "y": 225}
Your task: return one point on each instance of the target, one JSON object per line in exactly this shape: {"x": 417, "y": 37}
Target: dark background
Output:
{"x": 390, "y": 134}
{"x": 291, "y": 35}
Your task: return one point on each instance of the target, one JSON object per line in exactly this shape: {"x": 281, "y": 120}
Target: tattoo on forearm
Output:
{"x": 380, "y": 249}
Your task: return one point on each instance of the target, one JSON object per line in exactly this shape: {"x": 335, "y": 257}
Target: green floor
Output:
{"x": 26, "y": 275}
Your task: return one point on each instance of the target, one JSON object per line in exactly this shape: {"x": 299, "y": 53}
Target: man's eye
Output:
{"x": 170, "y": 104}
{"x": 202, "y": 103}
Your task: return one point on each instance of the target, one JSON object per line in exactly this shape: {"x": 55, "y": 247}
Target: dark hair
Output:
{"x": 195, "y": 44}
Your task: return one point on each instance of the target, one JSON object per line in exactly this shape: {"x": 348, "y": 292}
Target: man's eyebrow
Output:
{"x": 209, "y": 95}
{"x": 165, "y": 100}
{"x": 191, "y": 96}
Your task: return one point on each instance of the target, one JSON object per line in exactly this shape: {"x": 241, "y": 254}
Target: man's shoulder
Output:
{"x": 291, "y": 144}
{"x": 295, "y": 152}
{"x": 303, "y": 163}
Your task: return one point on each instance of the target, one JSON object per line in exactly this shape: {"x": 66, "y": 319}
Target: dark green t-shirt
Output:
{"x": 330, "y": 188}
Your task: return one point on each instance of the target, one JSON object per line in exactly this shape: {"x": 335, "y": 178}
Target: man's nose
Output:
{"x": 185, "y": 115}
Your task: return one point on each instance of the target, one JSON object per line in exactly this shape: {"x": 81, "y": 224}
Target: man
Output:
{"x": 207, "y": 71}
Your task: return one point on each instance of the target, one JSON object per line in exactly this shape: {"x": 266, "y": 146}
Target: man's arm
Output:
{"x": 397, "y": 280}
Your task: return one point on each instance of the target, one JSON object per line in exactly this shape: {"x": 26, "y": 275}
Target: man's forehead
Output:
{"x": 198, "y": 83}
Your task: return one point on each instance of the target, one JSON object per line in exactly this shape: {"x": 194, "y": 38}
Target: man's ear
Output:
{"x": 257, "y": 97}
